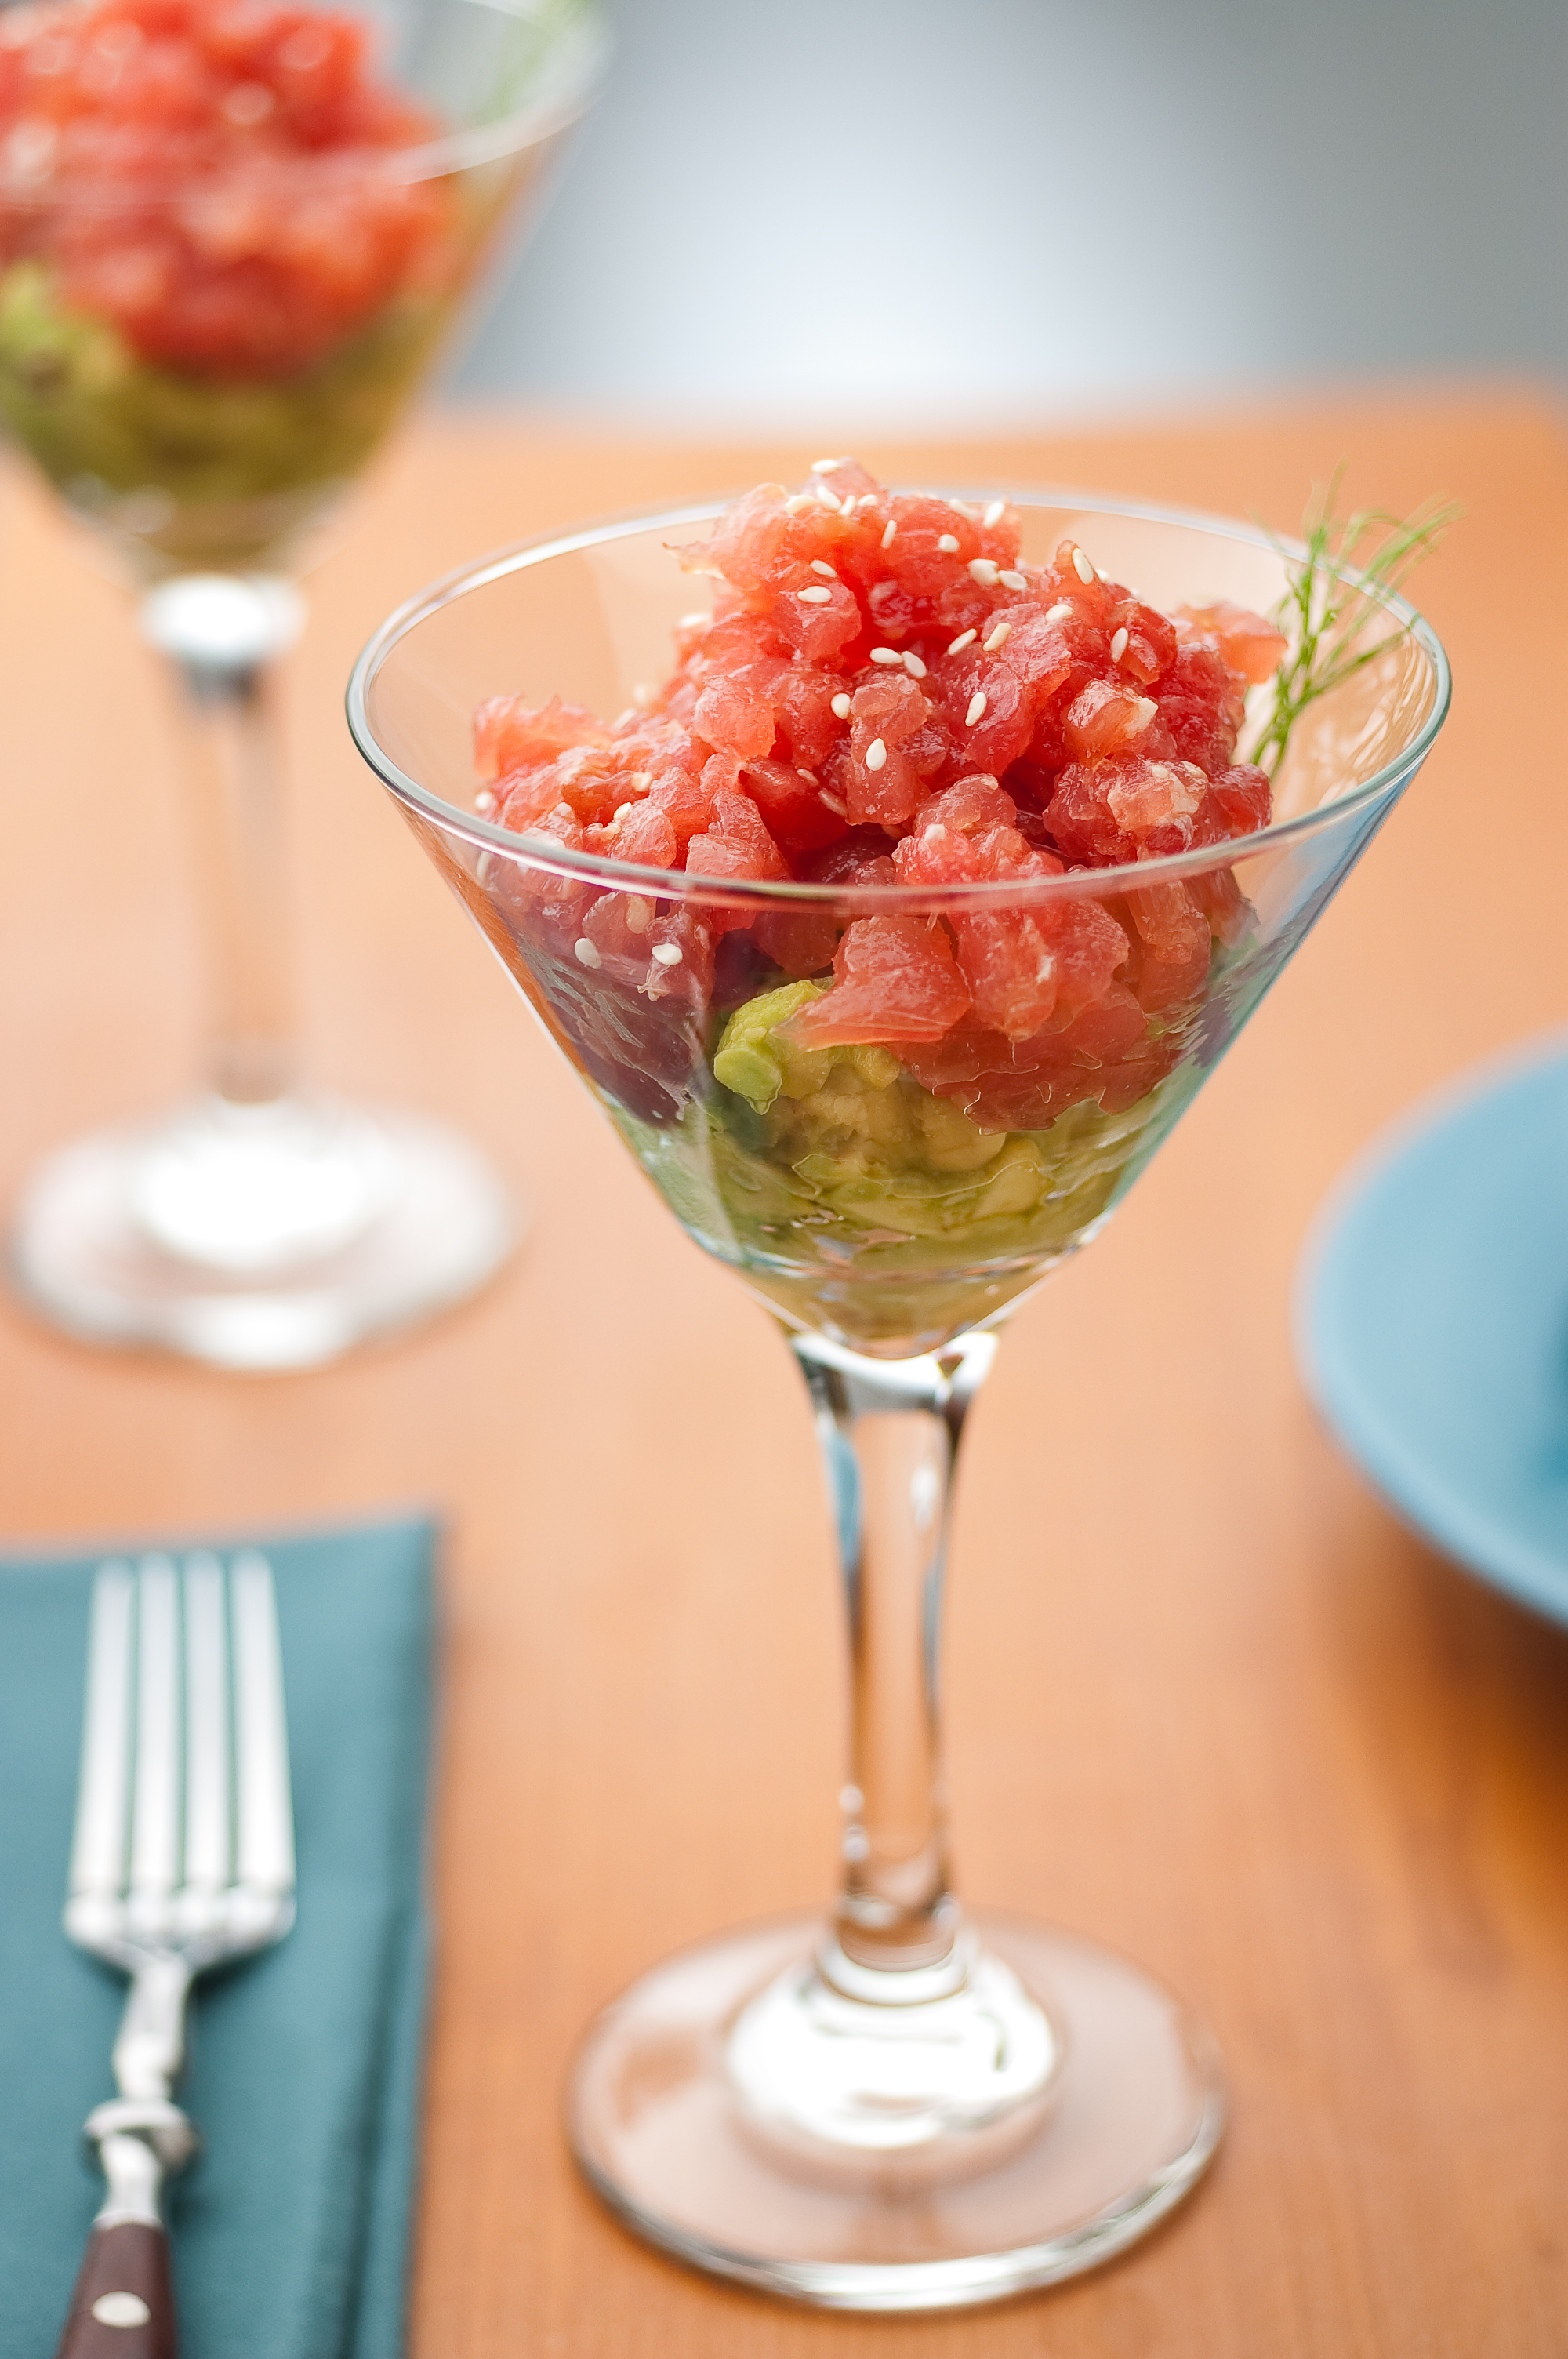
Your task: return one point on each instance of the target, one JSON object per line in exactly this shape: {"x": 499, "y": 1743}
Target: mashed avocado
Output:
{"x": 860, "y": 1203}
{"x": 757, "y": 1058}
{"x": 201, "y": 470}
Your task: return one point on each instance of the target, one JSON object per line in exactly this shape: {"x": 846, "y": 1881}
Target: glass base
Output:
{"x": 265, "y": 1236}
{"x": 1098, "y": 2140}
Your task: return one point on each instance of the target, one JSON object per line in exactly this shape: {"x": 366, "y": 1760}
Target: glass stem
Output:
{"x": 222, "y": 634}
{"x": 890, "y": 1433}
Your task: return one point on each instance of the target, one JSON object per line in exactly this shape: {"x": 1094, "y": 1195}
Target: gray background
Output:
{"x": 1000, "y": 210}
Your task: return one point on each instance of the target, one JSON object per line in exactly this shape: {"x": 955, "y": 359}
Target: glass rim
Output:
{"x": 674, "y": 884}
{"x": 578, "y": 52}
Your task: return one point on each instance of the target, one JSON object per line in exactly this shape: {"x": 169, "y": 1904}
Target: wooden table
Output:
{"x": 1207, "y": 1700}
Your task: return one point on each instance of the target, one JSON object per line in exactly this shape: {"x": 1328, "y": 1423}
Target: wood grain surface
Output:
{"x": 1207, "y": 1700}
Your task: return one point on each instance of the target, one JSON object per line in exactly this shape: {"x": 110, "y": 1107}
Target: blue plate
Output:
{"x": 1431, "y": 1324}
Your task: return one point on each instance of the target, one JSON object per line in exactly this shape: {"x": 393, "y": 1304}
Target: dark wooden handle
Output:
{"x": 123, "y": 2304}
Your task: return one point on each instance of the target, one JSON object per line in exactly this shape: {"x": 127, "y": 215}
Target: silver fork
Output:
{"x": 182, "y": 1860}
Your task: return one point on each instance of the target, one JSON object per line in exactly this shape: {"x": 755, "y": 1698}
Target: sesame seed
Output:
{"x": 841, "y": 810}
{"x": 667, "y": 953}
{"x": 912, "y": 664}
{"x": 983, "y": 570}
{"x": 1061, "y": 612}
{"x": 814, "y": 597}
{"x": 976, "y": 711}
{"x": 825, "y": 466}
{"x": 886, "y": 656}
{"x": 248, "y": 102}
{"x": 485, "y": 800}
{"x": 587, "y": 954}
{"x": 876, "y": 754}
{"x": 998, "y": 639}
{"x": 888, "y": 531}
{"x": 639, "y": 914}
{"x": 1119, "y": 646}
{"x": 948, "y": 544}
{"x": 693, "y": 621}
{"x": 1082, "y": 569}
{"x": 621, "y": 811}
{"x": 841, "y": 706}
{"x": 965, "y": 639}
{"x": 1013, "y": 581}
{"x": 828, "y": 499}
{"x": 798, "y": 502}
{"x": 962, "y": 507}
{"x": 821, "y": 565}
{"x": 994, "y": 514}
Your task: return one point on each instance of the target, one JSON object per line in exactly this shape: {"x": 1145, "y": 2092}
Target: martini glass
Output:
{"x": 266, "y": 1224}
{"x": 899, "y": 2106}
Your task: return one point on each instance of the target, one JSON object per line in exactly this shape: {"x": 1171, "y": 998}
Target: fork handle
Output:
{"x": 123, "y": 2307}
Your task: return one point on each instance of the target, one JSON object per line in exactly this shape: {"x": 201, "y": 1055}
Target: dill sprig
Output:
{"x": 1326, "y": 615}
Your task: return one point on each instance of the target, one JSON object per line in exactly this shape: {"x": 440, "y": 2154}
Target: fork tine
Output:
{"x": 207, "y": 1831}
{"x": 98, "y": 1845}
{"x": 155, "y": 1808}
{"x": 264, "y": 1814}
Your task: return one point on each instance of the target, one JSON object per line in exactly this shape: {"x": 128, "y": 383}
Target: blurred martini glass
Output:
{"x": 902, "y": 2106}
{"x": 231, "y": 247}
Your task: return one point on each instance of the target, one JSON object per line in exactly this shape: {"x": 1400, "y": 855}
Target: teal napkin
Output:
{"x": 290, "y": 2232}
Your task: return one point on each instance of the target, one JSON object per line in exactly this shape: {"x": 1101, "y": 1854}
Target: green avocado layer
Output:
{"x": 199, "y": 468}
{"x": 859, "y": 1202}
